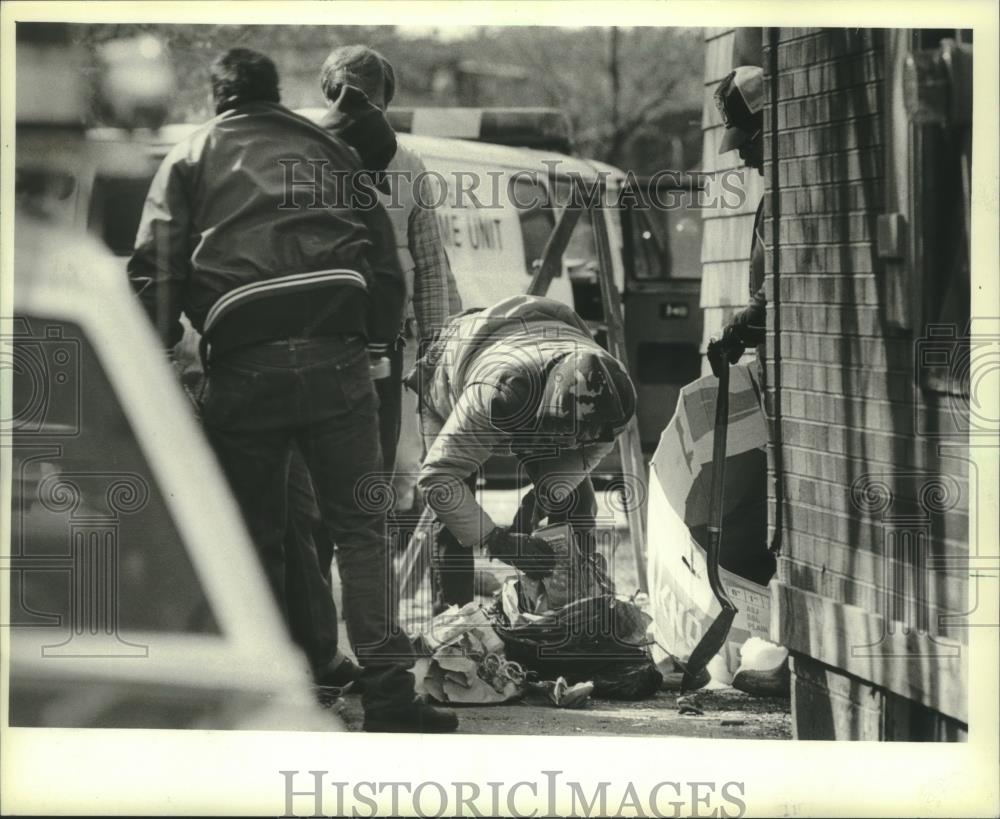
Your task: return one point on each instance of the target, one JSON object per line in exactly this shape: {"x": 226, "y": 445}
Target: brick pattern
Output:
{"x": 850, "y": 408}
{"x": 828, "y": 704}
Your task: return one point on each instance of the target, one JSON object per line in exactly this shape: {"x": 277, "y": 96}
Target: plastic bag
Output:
{"x": 599, "y": 639}
{"x": 577, "y": 575}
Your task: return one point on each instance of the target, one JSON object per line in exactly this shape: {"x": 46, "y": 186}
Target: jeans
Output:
{"x": 318, "y": 394}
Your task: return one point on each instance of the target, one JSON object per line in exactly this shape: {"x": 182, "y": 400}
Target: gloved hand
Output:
{"x": 728, "y": 348}
{"x": 526, "y": 553}
{"x": 525, "y": 520}
{"x": 746, "y": 329}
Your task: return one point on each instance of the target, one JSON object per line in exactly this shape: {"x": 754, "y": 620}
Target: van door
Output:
{"x": 492, "y": 233}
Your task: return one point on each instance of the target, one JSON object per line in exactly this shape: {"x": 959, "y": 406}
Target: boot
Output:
{"x": 773, "y": 682}
{"x": 763, "y": 669}
{"x": 343, "y": 676}
{"x": 417, "y": 717}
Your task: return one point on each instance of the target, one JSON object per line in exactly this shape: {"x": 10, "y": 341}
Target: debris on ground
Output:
{"x": 689, "y": 705}
{"x": 466, "y": 665}
{"x": 763, "y": 718}
{"x": 599, "y": 639}
{"x": 731, "y": 714}
{"x": 564, "y": 695}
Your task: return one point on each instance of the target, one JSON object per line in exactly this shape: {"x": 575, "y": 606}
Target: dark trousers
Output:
{"x": 455, "y": 564}
{"x": 312, "y": 615}
{"x": 317, "y": 394}
{"x": 307, "y": 520}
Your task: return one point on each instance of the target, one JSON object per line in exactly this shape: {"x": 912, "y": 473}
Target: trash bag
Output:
{"x": 599, "y": 639}
{"x": 577, "y": 574}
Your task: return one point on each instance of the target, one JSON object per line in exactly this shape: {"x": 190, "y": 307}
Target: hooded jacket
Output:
{"x": 524, "y": 376}
{"x": 251, "y": 228}
{"x": 353, "y": 118}
{"x": 431, "y": 291}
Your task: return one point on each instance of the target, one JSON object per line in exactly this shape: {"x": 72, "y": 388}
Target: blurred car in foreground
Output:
{"x": 136, "y": 598}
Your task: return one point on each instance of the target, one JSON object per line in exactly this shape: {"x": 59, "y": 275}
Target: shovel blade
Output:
{"x": 709, "y": 645}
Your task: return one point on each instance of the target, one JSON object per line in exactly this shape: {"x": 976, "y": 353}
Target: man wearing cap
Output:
{"x": 431, "y": 292}
{"x": 740, "y": 100}
{"x": 358, "y": 83}
{"x": 523, "y": 377}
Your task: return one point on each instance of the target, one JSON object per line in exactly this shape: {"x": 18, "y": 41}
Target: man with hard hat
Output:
{"x": 523, "y": 377}
{"x": 740, "y": 100}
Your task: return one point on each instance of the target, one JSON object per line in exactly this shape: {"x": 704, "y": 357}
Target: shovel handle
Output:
{"x": 715, "y": 636}
{"x": 717, "y": 493}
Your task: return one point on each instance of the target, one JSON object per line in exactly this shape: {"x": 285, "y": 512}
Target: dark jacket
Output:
{"x": 227, "y": 239}
{"x": 750, "y": 324}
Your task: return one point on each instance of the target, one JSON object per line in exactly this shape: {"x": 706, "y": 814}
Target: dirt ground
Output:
{"x": 727, "y": 713}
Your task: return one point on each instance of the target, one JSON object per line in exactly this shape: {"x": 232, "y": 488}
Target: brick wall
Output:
{"x": 854, "y": 459}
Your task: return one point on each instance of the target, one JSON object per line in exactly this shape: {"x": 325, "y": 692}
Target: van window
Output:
{"x": 94, "y": 546}
{"x": 580, "y": 256}
{"x": 649, "y": 252}
{"x": 536, "y": 219}
{"x": 684, "y": 230}
{"x": 581, "y": 252}
{"x": 664, "y": 244}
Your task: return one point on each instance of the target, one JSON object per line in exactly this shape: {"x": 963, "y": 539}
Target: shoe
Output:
{"x": 344, "y": 678}
{"x": 763, "y": 669}
{"x": 416, "y": 718}
{"x": 774, "y": 682}
{"x": 329, "y": 698}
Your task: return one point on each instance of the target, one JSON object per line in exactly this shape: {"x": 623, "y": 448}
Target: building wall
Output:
{"x": 869, "y": 507}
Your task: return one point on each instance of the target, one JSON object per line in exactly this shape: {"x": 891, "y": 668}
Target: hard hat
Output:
{"x": 740, "y": 100}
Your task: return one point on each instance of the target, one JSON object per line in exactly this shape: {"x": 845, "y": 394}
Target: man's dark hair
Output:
{"x": 242, "y": 75}
{"x": 360, "y": 66}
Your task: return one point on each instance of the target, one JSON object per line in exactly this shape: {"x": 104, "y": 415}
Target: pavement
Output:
{"x": 728, "y": 714}
{"x": 725, "y": 712}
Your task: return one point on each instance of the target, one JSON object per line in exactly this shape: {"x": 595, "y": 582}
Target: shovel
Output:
{"x": 715, "y": 637}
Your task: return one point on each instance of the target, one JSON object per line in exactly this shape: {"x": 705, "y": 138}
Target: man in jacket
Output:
{"x": 524, "y": 377}
{"x": 286, "y": 286}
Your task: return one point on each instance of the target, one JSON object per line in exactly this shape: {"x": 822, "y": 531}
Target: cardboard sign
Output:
{"x": 682, "y": 603}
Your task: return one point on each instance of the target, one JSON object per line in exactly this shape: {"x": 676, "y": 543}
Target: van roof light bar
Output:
{"x": 541, "y": 128}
